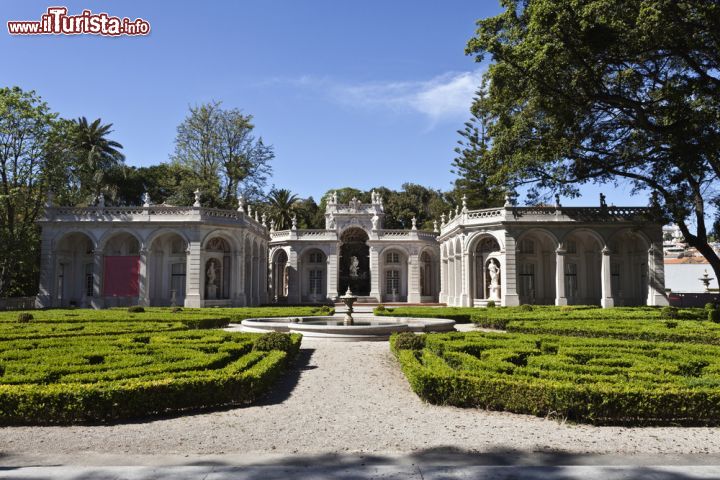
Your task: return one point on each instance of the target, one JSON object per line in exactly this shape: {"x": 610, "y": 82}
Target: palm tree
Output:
{"x": 97, "y": 153}
{"x": 282, "y": 206}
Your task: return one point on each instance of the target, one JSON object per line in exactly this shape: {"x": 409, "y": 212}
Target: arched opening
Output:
{"x": 354, "y": 262}
{"x": 535, "y": 266}
{"x": 121, "y": 269}
{"x": 217, "y": 268}
{"x": 428, "y": 278}
{"x": 486, "y": 265}
{"x": 395, "y": 274}
{"x": 75, "y": 271}
{"x": 629, "y": 268}
{"x": 314, "y": 288}
{"x": 167, "y": 269}
{"x": 280, "y": 276}
{"x": 583, "y": 283}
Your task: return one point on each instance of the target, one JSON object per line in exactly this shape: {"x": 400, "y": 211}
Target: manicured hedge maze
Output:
{"x": 98, "y": 366}
{"x": 594, "y": 380}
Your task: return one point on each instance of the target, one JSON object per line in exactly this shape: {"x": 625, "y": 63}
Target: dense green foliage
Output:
{"x": 504, "y": 317}
{"x": 219, "y": 147}
{"x": 409, "y": 341}
{"x": 68, "y": 366}
{"x": 594, "y": 380}
{"x": 606, "y": 91}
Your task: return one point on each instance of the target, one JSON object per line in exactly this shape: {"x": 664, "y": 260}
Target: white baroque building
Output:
{"x": 195, "y": 256}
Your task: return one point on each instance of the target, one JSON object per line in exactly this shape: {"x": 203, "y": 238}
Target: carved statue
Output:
{"x": 374, "y": 221}
{"x": 414, "y": 223}
{"x": 330, "y": 222}
{"x": 494, "y": 272}
{"x": 197, "y": 197}
{"x": 101, "y": 201}
{"x": 334, "y": 197}
{"x": 286, "y": 281}
{"x": 146, "y": 199}
{"x": 603, "y": 203}
{"x": 354, "y": 265}
{"x": 211, "y": 275}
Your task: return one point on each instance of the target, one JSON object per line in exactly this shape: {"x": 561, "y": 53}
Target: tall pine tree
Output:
{"x": 472, "y": 180}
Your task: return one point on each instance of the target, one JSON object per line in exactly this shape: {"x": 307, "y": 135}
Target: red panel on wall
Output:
{"x": 121, "y": 277}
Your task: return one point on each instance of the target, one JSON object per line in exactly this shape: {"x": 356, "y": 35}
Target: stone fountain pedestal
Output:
{"x": 348, "y": 299}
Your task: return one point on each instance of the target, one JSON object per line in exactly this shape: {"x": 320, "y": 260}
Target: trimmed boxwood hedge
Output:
{"x": 74, "y": 370}
{"x": 597, "y": 381}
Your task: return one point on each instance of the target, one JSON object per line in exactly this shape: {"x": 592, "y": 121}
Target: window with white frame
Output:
{"x": 89, "y": 267}
{"x": 615, "y": 278}
{"x": 571, "y": 246}
{"x": 177, "y": 279}
{"x": 392, "y": 257}
{"x": 316, "y": 282}
{"x": 527, "y": 246}
{"x": 392, "y": 282}
{"x": 571, "y": 285}
{"x": 527, "y": 280}
{"x": 316, "y": 257}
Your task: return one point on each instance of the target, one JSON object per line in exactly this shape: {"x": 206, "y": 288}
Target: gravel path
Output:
{"x": 350, "y": 397}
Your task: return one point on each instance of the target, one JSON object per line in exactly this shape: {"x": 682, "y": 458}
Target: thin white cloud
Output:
{"x": 446, "y": 97}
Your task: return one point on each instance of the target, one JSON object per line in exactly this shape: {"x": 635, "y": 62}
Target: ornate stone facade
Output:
{"x": 611, "y": 256}
{"x": 151, "y": 255}
{"x": 194, "y": 256}
{"x": 354, "y": 250}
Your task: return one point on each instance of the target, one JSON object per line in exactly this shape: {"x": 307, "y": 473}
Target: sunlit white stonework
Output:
{"x": 195, "y": 257}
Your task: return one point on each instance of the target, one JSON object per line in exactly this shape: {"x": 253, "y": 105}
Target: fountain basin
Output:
{"x": 333, "y": 328}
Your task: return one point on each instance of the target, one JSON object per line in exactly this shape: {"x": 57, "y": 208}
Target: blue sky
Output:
{"x": 349, "y": 93}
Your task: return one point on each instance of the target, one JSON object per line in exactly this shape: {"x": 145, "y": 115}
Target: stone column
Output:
{"x": 143, "y": 281}
{"x": 375, "y": 273}
{"x": 238, "y": 295}
{"x": 443, "y": 295}
{"x": 193, "y": 271}
{"x": 97, "y": 300}
{"x": 332, "y": 275}
{"x": 239, "y": 268}
{"x": 413, "y": 268}
{"x": 560, "y": 298}
{"x": 606, "y": 300}
{"x": 293, "y": 266}
{"x": 508, "y": 274}
{"x": 656, "y": 276}
{"x": 48, "y": 281}
{"x": 264, "y": 275}
{"x": 465, "y": 276}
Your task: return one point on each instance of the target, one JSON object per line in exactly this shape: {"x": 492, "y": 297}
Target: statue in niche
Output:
{"x": 494, "y": 270}
{"x": 286, "y": 281}
{"x": 330, "y": 222}
{"x": 374, "y": 221}
{"x": 354, "y": 265}
{"x": 211, "y": 275}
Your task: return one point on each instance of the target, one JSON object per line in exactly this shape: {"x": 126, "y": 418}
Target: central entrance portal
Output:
{"x": 354, "y": 262}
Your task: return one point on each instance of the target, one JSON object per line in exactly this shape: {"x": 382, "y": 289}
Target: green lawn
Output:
{"x": 628, "y": 366}
{"x": 68, "y": 366}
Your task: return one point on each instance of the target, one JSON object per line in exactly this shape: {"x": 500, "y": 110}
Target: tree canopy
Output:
{"x": 607, "y": 91}
{"x": 218, "y": 145}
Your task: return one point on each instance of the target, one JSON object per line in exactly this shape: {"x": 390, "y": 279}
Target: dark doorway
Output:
{"x": 354, "y": 262}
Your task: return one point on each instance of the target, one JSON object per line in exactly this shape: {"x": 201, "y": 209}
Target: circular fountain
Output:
{"x": 347, "y": 328}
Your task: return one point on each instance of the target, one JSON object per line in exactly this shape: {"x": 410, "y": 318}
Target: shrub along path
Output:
{"x": 347, "y": 397}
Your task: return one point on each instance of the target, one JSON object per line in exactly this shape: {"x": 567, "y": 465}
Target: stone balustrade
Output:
{"x": 602, "y": 214}
{"x": 154, "y": 213}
